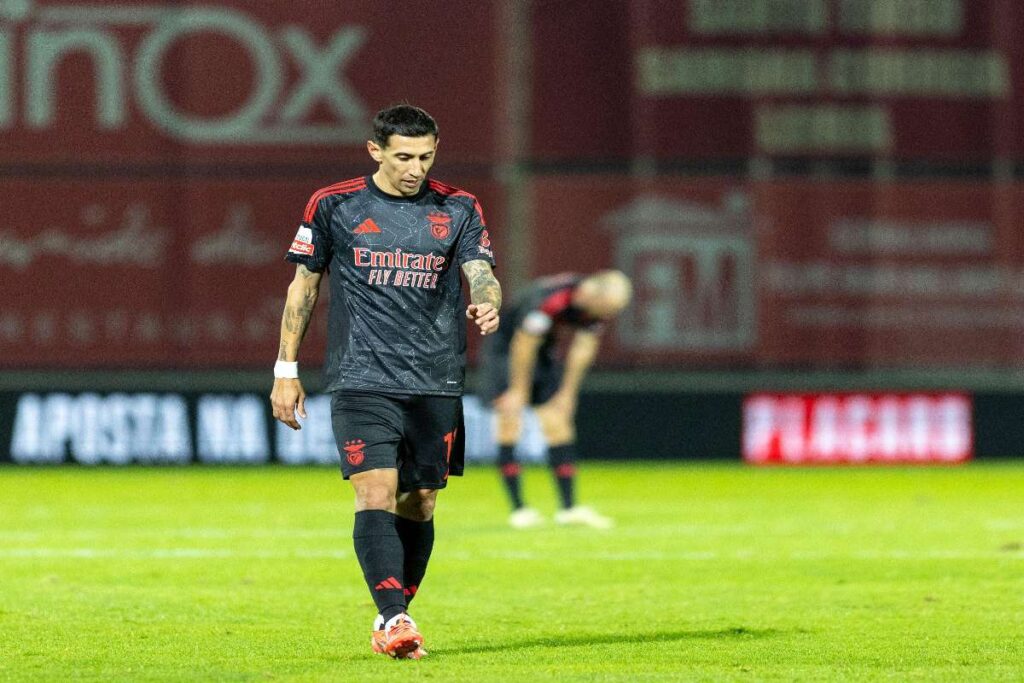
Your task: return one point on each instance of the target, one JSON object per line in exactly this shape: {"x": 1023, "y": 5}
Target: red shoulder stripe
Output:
{"x": 344, "y": 187}
{"x": 479, "y": 210}
{"x": 442, "y": 188}
{"x": 338, "y": 188}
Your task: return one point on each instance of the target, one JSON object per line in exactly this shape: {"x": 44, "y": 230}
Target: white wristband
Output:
{"x": 286, "y": 370}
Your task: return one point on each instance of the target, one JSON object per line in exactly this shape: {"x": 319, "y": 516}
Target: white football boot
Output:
{"x": 581, "y": 515}
{"x": 525, "y": 518}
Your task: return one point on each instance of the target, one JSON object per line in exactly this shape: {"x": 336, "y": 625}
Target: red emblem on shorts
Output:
{"x": 485, "y": 240}
{"x": 439, "y": 223}
{"x": 354, "y": 449}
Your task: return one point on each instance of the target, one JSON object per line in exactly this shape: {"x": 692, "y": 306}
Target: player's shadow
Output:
{"x": 584, "y": 640}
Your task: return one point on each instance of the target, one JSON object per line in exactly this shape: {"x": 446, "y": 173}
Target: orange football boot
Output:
{"x": 401, "y": 637}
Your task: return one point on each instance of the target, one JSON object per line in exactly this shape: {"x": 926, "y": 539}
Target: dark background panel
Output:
{"x": 660, "y": 426}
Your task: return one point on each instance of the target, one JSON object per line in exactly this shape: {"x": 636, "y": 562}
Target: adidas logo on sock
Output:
{"x": 389, "y": 583}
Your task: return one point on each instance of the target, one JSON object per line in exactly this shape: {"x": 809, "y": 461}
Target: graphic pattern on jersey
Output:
{"x": 395, "y": 322}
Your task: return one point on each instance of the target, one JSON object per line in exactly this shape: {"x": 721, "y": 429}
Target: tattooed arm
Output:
{"x": 485, "y": 293}
{"x": 298, "y": 309}
{"x": 288, "y": 394}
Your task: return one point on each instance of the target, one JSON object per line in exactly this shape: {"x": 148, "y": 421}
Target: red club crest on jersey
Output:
{"x": 439, "y": 224}
{"x": 354, "y": 449}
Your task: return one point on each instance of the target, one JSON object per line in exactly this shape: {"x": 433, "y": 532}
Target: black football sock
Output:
{"x": 510, "y": 474}
{"x": 380, "y": 554}
{"x": 563, "y": 464}
{"x": 418, "y": 541}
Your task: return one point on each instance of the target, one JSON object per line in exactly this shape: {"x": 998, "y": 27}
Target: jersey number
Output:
{"x": 449, "y": 441}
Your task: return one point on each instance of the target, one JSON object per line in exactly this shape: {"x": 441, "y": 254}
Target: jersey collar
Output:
{"x": 424, "y": 188}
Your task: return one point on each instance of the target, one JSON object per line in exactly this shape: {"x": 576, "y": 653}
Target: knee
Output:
{"x": 564, "y": 434}
{"x": 557, "y": 428}
{"x": 375, "y": 497}
{"x": 418, "y": 505}
{"x": 508, "y": 428}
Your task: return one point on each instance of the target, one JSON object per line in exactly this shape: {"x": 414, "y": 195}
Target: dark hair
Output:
{"x": 402, "y": 119}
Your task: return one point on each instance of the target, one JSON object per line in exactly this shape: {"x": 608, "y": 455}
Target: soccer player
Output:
{"x": 395, "y": 365}
{"x": 520, "y": 367}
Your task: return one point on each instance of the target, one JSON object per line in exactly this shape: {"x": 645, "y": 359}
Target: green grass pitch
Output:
{"x": 713, "y": 573}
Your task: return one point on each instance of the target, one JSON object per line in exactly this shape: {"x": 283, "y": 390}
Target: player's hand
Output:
{"x": 287, "y": 398}
{"x": 511, "y": 402}
{"x": 484, "y": 315}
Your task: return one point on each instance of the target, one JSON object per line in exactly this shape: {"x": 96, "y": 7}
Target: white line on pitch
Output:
{"x": 201, "y": 533}
{"x": 170, "y": 554}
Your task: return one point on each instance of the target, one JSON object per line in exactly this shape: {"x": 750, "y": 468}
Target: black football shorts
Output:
{"x": 422, "y": 436}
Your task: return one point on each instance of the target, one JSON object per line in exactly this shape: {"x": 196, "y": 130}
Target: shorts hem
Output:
{"x": 368, "y": 469}
{"x": 432, "y": 487}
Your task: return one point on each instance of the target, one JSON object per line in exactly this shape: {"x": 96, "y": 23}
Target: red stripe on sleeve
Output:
{"x": 353, "y": 185}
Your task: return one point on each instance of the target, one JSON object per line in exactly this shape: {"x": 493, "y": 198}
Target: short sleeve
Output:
{"x": 475, "y": 242}
{"x": 313, "y": 245}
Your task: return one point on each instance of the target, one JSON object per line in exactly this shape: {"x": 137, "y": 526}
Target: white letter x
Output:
{"x": 320, "y": 71}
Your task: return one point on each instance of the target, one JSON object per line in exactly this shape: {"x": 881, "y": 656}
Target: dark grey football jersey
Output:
{"x": 396, "y": 321}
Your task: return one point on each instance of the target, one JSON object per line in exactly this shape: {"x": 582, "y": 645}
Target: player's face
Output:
{"x": 404, "y": 163}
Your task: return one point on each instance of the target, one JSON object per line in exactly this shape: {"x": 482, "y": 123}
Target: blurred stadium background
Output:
{"x": 819, "y": 202}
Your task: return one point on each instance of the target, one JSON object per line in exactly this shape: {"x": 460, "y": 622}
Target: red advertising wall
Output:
{"x": 154, "y": 273}
{"x": 131, "y": 82}
{"x": 917, "y": 274}
{"x": 157, "y": 157}
{"x": 704, "y": 79}
{"x": 178, "y": 272}
{"x": 688, "y": 246}
{"x": 785, "y": 273}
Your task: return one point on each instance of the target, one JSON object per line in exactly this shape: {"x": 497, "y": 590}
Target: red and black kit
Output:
{"x": 396, "y": 329}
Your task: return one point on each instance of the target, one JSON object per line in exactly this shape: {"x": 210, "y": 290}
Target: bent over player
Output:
{"x": 391, "y": 243}
{"x": 520, "y": 366}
